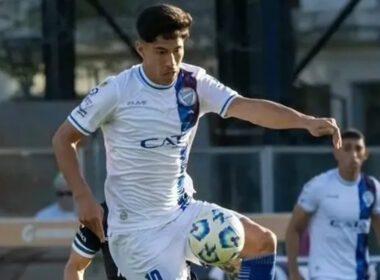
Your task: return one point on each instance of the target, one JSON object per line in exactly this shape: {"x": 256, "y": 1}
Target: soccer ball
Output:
{"x": 216, "y": 237}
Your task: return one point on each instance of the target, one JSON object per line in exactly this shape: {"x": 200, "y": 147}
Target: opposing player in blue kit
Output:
{"x": 149, "y": 115}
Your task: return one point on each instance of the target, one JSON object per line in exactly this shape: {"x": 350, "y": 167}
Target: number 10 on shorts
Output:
{"x": 153, "y": 275}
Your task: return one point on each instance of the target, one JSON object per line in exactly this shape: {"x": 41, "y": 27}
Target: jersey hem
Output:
{"x": 305, "y": 208}
{"x": 226, "y": 104}
{"x": 131, "y": 228}
{"x": 76, "y": 124}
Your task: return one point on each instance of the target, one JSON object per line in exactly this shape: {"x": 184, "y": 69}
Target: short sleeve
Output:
{"x": 376, "y": 207}
{"x": 96, "y": 108}
{"x": 309, "y": 197}
{"x": 86, "y": 243}
{"x": 214, "y": 96}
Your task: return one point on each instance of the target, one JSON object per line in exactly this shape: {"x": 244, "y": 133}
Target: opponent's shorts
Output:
{"x": 159, "y": 253}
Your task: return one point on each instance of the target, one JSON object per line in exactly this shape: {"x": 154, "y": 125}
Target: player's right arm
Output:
{"x": 298, "y": 223}
{"x": 76, "y": 266}
{"x": 97, "y": 108}
{"x": 375, "y": 217}
{"x": 307, "y": 204}
{"x": 84, "y": 247}
{"x": 90, "y": 212}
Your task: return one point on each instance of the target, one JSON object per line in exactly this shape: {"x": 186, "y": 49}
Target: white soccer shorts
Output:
{"x": 159, "y": 253}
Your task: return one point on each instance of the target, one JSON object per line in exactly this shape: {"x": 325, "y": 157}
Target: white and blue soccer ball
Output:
{"x": 216, "y": 237}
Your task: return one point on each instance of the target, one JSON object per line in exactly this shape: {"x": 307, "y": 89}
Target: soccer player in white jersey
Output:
{"x": 149, "y": 115}
{"x": 339, "y": 206}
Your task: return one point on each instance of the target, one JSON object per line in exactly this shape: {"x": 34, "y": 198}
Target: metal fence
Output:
{"x": 266, "y": 179}
{"x": 258, "y": 179}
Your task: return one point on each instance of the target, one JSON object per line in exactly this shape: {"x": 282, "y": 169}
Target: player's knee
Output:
{"x": 264, "y": 242}
{"x": 258, "y": 240}
{"x": 268, "y": 242}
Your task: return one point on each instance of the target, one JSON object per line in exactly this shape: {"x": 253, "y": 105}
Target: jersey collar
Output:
{"x": 151, "y": 84}
{"x": 345, "y": 182}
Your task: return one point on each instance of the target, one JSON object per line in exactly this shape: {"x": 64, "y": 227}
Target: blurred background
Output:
{"x": 320, "y": 57}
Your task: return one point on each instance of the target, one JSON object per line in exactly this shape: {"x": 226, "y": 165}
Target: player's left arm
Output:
{"x": 375, "y": 215}
{"x": 276, "y": 116}
{"x": 375, "y": 221}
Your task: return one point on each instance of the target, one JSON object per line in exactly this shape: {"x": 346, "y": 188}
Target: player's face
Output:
{"x": 162, "y": 58}
{"x": 352, "y": 154}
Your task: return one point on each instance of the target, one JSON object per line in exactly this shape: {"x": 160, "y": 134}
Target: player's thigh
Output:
{"x": 119, "y": 246}
{"x": 171, "y": 265}
{"x": 258, "y": 239}
{"x": 142, "y": 256}
{"x": 159, "y": 273}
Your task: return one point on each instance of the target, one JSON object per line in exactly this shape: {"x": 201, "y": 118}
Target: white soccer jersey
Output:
{"x": 148, "y": 131}
{"x": 340, "y": 224}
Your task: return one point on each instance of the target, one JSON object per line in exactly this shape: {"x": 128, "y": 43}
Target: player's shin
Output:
{"x": 258, "y": 255}
{"x": 257, "y": 268}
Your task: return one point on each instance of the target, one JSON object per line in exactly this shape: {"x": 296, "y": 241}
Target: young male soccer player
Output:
{"x": 149, "y": 115}
{"x": 339, "y": 206}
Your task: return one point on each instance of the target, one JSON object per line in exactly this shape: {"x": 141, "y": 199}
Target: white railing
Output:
{"x": 266, "y": 156}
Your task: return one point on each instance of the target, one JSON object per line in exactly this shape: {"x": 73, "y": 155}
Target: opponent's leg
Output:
{"x": 258, "y": 254}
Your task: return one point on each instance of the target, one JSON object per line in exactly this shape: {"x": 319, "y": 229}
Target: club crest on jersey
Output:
{"x": 93, "y": 91}
{"x": 84, "y": 106}
{"x": 368, "y": 198}
{"x": 187, "y": 96}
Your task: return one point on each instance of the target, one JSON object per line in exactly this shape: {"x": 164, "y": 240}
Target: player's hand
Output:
{"x": 325, "y": 126}
{"x": 91, "y": 215}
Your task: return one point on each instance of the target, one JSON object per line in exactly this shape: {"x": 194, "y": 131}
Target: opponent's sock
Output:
{"x": 260, "y": 268}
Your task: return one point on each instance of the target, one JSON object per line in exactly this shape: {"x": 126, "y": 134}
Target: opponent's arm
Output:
{"x": 276, "y": 116}
{"x": 90, "y": 212}
{"x": 297, "y": 224}
{"x": 375, "y": 221}
{"x": 75, "y": 266}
